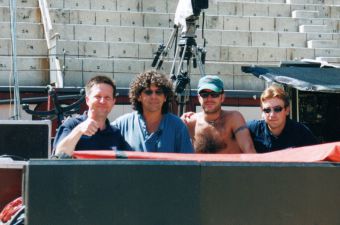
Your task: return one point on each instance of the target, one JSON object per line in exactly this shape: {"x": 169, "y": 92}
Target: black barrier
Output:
{"x": 180, "y": 193}
{"x": 81, "y": 192}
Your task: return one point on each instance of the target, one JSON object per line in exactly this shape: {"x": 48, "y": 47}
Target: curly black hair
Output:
{"x": 145, "y": 80}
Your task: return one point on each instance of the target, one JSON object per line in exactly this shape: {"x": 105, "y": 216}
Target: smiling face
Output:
{"x": 100, "y": 100}
{"x": 210, "y": 101}
{"x": 152, "y": 99}
{"x": 275, "y": 119}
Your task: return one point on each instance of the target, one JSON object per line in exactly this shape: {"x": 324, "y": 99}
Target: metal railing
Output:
{"x": 52, "y": 38}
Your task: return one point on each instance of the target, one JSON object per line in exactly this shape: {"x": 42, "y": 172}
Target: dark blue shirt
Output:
{"x": 109, "y": 138}
{"x": 294, "y": 134}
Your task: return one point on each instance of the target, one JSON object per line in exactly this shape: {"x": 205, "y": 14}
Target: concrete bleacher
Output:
{"x": 118, "y": 38}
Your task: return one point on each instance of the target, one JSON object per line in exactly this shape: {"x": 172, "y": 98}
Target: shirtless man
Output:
{"x": 215, "y": 130}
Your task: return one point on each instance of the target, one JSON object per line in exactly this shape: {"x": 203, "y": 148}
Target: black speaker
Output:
{"x": 112, "y": 192}
{"x": 25, "y": 139}
{"x": 135, "y": 192}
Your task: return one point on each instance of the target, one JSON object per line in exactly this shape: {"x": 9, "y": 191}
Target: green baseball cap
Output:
{"x": 210, "y": 82}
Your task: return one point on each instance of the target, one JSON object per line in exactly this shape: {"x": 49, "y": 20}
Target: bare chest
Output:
{"x": 214, "y": 138}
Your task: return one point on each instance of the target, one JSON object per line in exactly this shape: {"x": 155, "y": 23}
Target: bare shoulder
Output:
{"x": 235, "y": 115}
{"x": 234, "y": 119}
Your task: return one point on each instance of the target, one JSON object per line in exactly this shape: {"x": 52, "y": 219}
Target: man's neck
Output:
{"x": 212, "y": 117}
{"x": 152, "y": 116}
{"x": 152, "y": 120}
{"x": 276, "y": 131}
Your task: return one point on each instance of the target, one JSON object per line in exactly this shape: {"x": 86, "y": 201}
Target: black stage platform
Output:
{"x": 140, "y": 192}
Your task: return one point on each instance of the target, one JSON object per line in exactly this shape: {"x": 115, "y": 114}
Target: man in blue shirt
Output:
{"x": 151, "y": 128}
{"x": 277, "y": 131}
{"x": 92, "y": 131}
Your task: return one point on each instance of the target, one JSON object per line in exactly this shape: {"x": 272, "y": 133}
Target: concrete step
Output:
{"x": 248, "y": 23}
{"x": 21, "y": 3}
{"x": 115, "y": 5}
{"x": 323, "y": 44}
{"x": 253, "y": 9}
{"x": 293, "y": 24}
{"x": 124, "y": 70}
{"x": 216, "y": 22}
{"x": 314, "y": 11}
{"x": 32, "y": 71}
{"x": 315, "y": 29}
{"x": 326, "y": 52}
{"x": 305, "y": 2}
{"x": 28, "y": 14}
{"x": 305, "y": 14}
{"x": 275, "y": 9}
{"x": 25, "y": 47}
{"x": 335, "y": 10}
{"x": 111, "y": 18}
{"x": 320, "y": 36}
{"x": 88, "y": 67}
{"x": 138, "y": 35}
{"x": 143, "y": 51}
{"x": 141, "y": 19}
{"x": 253, "y": 1}
{"x": 24, "y": 63}
{"x": 27, "y": 78}
{"x": 292, "y": 39}
{"x": 330, "y": 60}
{"x": 23, "y": 30}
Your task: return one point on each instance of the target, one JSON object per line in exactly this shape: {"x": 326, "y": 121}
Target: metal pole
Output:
{"x": 17, "y": 115}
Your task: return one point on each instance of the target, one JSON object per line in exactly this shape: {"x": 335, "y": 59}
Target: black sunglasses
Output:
{"x": 212, "y": 94}
{"x": 157, "y": 92}
{"x": 276, "y": 109}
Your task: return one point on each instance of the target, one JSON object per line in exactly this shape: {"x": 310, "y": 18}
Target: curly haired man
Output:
{"x": 151, "y": 127}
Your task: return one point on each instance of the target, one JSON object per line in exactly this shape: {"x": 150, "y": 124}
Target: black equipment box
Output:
{"x": 132, "y": 192}
{"x": 25, "y": 138}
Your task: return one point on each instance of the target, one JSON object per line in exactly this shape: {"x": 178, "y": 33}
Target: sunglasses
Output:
{"x": 212, "y": 94}
{"x": 157, "y": 92}
{"x": 276, "y": 109}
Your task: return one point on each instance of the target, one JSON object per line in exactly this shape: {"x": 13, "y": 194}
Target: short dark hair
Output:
{"x": 145, "y": 80}
{"x": 100, "y": 80}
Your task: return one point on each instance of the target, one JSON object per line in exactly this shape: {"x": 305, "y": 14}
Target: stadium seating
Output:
{"x": 119, "y": 38}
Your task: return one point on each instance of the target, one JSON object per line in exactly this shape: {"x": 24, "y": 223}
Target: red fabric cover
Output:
{"x": 315, "y": 153}
{"x": 10, "y": 209}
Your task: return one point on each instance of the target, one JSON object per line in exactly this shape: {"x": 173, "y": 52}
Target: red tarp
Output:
{"x": 329, "y": 152}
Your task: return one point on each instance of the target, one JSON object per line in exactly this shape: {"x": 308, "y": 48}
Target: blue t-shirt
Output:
{"x": 294, "y": 134}
{"x": 109, "y": 138}
{"x": 172, "y": 134}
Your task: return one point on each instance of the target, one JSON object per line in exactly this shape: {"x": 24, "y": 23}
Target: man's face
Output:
{"x": 100, "y": 100}
{"x": 210, "y": 101}
{"x": 152, "y": 99}
{"x": 274, "y": 113}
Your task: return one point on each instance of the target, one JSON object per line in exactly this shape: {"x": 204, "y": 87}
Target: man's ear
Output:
{"x": 86, "y": 100}
{"x": 222, "y": 96}
{"x": 287, "y": 109}
{"x": 263, "y": 115}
